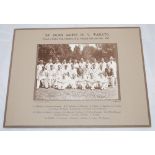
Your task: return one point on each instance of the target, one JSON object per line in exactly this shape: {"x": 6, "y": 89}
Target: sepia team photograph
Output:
{"x": 77, "y": 72}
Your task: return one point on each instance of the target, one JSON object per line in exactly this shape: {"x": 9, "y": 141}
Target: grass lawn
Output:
{"x": 76, "y": 94}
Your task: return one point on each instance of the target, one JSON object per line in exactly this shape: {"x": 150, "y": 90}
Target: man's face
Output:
{"x": 41, "y": 62}
{"x": 50, "y": 61}
{"x": 111, "y": 59}
{"x": 57, "y": 60}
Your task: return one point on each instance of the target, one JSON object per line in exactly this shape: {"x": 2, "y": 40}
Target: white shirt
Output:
{"x": 104, "y": 65}
{"x": 56, "y": 65}
{"x": 39, "y": 67}
{"x": 52, "y": 73}
{"x": 48, "y": 66}
{"x": 82, "y": 65}
{"x": 96, "y": 65}
{"x": 42, "y": 74}
{"x": 73, "y": 72}
{"x": 76, "y": 65}
{"x": 69, "y": 66}
{"x": 63, "y": 65}
{"x": 95, "y": 72}
{"x": 112, "y": 65}
{"x": 87, "y": 71}
{"x": 89, "y": 65}
{"x": 59, "y": 74}
{"x": 65, "y": 71}
{"x": 91, "y": 80}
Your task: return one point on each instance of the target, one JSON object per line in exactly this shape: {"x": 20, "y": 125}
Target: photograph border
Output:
{"x": 78, "y": 126}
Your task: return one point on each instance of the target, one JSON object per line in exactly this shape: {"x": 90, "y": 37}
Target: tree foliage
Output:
{"x": 64, "y": 51}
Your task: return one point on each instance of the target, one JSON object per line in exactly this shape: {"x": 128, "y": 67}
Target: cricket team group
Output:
{"x": 77, "y": 74}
